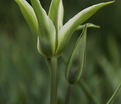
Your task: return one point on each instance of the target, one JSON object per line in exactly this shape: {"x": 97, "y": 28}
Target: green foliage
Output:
{"x": 24, "y": 78}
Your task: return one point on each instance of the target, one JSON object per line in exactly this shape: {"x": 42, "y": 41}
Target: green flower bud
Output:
{"x": 76, "y": 61}
{"x": 52, "y": 35}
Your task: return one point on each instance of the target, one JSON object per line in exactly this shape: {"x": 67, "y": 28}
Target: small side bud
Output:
{"x": 76, "y": 61}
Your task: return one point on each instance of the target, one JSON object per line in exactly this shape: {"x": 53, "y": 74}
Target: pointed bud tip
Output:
{"x": 92, "y": 25}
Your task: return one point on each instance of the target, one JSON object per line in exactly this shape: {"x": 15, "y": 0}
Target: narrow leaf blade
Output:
{"x": 114, "y": 95}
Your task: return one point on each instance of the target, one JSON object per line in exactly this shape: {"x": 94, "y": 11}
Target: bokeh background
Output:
{"x": 24, "y": 75}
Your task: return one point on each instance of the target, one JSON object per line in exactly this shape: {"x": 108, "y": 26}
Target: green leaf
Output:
{"x": 75, "y": 63}
{"x": 114, "y": 95}
{"x": 67, "y": 30}
{"x": 56, "y": 13}
{"x": 28, "y": 14}
{"x": 47, "y": 32}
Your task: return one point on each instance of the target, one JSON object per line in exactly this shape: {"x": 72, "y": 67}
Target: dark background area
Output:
{"x": 24, "y": 76}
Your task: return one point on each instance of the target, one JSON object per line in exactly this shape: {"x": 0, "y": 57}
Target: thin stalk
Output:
{"x": 68, "y": 94}
{"x": 87, "y": 91}
{"x": 110, "y": 101}
{"x": 52, "y": 63}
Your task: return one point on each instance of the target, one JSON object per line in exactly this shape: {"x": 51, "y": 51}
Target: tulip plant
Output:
{"x": 53, "y": 37}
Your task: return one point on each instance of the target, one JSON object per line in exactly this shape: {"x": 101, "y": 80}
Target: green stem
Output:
{"x": 88, "y": 93}
{"x": 68, "y": 94}
{"x": 110, "y": 101}
{"x": 52, "y": 63}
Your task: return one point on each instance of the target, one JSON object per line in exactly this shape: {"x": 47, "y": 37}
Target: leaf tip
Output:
{"x": 110, "y": 2}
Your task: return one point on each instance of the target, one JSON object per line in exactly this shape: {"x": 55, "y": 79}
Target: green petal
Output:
{"x": 28, "y": 14}
{"x": 47, "y": 32}
{"x": 76, "y": 61}
{"x": 67, "y": 30}
{"x": 56, "y": 12}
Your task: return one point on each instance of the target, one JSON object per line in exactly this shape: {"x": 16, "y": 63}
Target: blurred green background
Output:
{"x": 24, "y": 75}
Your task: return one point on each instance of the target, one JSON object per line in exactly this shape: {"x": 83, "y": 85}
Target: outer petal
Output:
{"x": 56, "y": 12}
{"x": 47, "y": 33}
{"x": 28, "y": 14}
{"x": 67, "y": 30}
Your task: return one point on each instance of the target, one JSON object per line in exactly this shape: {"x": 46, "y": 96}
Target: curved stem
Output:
{"x": 52, "y": 63}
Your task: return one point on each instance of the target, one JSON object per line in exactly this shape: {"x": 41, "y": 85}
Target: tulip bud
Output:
{"x": 76, "y": 61}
